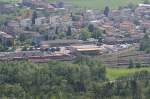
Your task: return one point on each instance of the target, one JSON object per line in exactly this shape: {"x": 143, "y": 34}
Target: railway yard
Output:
{"x": 123, "y": 58}
{"x": 109, "y": 55}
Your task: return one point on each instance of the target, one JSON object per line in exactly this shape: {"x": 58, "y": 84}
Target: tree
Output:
{"x": 22, "y": 38}
{"x": 91, "y": 28}
{"x": 138, "y": 65}
{"x": 136, "y": 90}
{"x": 97, "y": 33}
{"x": 147, "y": 94}
{"x": 145, "y": 43}
{"x": 1, "y": 47}
{"x": 131, "y": 6}
{"x": 46, "y": 35}
{"x": 12, "y": 91}
{"x": 56, "y": 31}
{"x": 34, "y": 16}
{"x": 106, "y": 11}
{"x": 69, "y": 31}
{"x": 146, "y": 2}
{"x": 131, "y": 64}
{"x": 85, "y": 34}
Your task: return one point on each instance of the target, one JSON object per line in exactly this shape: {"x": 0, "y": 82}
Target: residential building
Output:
{"x": 6, "y": 39}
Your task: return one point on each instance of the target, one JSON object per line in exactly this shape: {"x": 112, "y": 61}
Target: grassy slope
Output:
{"x": 10, "y": 1}
{"x": 96, "y": 4}
{"x": 99, "y": 4}
{"x": 114, "y": 73}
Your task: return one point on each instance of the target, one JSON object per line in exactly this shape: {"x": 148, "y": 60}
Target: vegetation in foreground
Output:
{"x": 83, "y": 79}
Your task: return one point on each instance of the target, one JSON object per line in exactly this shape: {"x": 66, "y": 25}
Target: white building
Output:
{"x": 53, "y": 19}
{"x": 40, "y": 21}
{"x": 26, "y": 23}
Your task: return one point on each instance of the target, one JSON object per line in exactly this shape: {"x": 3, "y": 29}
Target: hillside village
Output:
{"x": 59, "y": 31}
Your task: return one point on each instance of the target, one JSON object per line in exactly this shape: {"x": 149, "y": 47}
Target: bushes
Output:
{"x": 85, "y": 78}
{"x": 47, "y": 80}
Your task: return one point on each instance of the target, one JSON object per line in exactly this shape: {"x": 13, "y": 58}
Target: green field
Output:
{"x": 100, "y": 4}
{"x": 95, "y": 4}
{"x": 114, "y": 73}
{"x": 10, "y": 1}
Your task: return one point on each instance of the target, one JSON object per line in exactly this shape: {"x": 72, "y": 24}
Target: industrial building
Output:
{"x": 86, "y": 49}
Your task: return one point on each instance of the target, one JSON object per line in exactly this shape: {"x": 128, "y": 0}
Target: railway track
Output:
{"x": 122, "y": 60}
